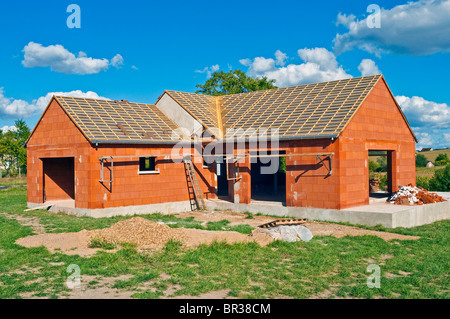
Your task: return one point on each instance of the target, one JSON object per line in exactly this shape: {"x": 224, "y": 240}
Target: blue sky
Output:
{"x": 135, "y": 50}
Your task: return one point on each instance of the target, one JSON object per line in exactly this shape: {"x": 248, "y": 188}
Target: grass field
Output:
{"x": 13, "y": 181}
{"x": 431, "y": 155}
{"x": 325, "y": 267}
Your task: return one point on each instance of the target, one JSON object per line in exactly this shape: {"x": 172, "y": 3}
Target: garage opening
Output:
{"x": 380, "y": 175}
{"x": 268, "y": 177}
{"x": 59, "y": 178}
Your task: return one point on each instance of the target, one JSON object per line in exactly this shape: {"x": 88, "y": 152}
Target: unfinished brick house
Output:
{"x": 102, "y": 154}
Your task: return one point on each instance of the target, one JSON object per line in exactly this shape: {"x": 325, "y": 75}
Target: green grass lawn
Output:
{"x": 323, "y": 267}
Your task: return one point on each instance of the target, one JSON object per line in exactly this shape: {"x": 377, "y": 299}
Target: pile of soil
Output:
{"x": 142, "y": 232}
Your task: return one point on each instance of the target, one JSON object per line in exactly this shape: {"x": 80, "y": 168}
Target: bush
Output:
{"x": 384, "y": 181}
{"x": 442, "y": 157}
{"x": 422, "y": 181}
{"x": 421, "y": 160}
{"x": 382, "y": 163}
{"x": 442, "y": 160}
{"x": 441, "y": 180}
{"x": 373, "y": 166}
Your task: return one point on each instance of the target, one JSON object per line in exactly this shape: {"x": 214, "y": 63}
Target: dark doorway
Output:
{"x": 222, "y": 181}
{"x": 59, "y": 178}
{"x": 380, "y": 174}
{"x": 268, "y": 178}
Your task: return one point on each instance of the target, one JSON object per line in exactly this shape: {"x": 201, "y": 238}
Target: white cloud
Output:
{"x": 16, "y": 108}
{"x": 345, "y": 20}
{"x": 432, "y": 137}
{"x": 280, "y": 57}
{"x": 421, "y": 112}
{"x": 7, "y": 128}
{"x": 368, "y": 67}
{"x": 61, "y": 60}
{"x": 319, "y": 65}
{"x": 415, "y": 28}
{"x": 424, "y": 140}
{"x": 209, "y": 70}
{"x": 117, "y": 61}
{"x": 430, "y": 121}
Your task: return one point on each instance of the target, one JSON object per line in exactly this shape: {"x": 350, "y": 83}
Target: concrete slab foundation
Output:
{"x": 163, "y": 208}
{"x": 377, "y": 213}
{"x": 385, "y": 214}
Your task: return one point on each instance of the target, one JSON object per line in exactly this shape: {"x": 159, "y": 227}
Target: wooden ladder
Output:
{"x": 189, "y": 166}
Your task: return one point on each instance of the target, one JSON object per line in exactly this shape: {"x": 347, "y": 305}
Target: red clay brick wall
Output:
{"x": 242, "y": 187}
{"x": 131, "y": 188}
{"x": 57, "y": 136}
{"x": 307, "y": 183}
{"x": 377, "y": 125}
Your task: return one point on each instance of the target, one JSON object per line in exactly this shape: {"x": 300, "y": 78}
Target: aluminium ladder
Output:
{"x": 189, "y": 166}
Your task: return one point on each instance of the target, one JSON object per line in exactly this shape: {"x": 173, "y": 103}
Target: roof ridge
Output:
{"x": 105, "y": 100}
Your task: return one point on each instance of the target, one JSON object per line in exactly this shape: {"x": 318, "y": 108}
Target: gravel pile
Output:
{"x": 411, "y": 195}
{"x": 140, "y": 231}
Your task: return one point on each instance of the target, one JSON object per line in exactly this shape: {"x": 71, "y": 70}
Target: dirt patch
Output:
{"x": 67, "y": 243}
{"x": 234, "y": 218}
{"x": 102, "y": 289}
{"x": 146, "y": 234}
{"x": 336, "y": 230}
{"x": 217, "y": 294}
{"x": 33, "y": 222}
{"x": 317, "y": 228}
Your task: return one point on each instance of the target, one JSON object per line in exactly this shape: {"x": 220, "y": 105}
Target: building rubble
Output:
{"x": 413, "y": 195}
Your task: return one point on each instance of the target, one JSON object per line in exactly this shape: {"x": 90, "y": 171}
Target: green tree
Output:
{"x": 421, "y": 160}
{"x": 373, "y": 166}
{"x": 442, "y": 160}
{"x": 233, "y": 82}
{"x": 382, "y": 164}
{"x": 13, "y": 154}
{"x": 441, "y": 180}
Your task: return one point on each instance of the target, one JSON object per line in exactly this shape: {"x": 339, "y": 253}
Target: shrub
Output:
{"x": 283, "y": 165}
{"x": 382, "y": 163}
{"x": 384, "y": 181}
{"x": 421, "y": 160}
{"x": 101, "y": 243}
{"x": 422, "y": 181}
{"x": 442, "y": 157}
{"x": 373, "y": 166}
{"x": 441, "y": 180}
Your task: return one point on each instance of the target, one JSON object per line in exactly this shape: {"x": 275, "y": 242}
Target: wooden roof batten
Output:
{"x": 309, "y": 111}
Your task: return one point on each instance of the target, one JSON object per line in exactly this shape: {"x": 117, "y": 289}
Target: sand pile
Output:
{"x": 140, "y": 231}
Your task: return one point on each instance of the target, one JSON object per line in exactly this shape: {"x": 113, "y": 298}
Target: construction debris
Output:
{"x": 289, "y": 230}
{"x": 284, "y": 221}
{"x": 374, "y": 184}
{"x": 412, "y": 195}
